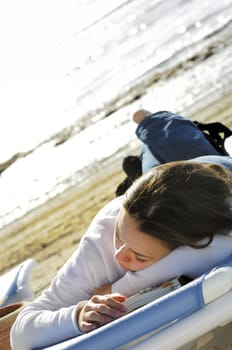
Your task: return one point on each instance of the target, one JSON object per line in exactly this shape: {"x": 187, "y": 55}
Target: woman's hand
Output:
{"x": 99, "y": 310}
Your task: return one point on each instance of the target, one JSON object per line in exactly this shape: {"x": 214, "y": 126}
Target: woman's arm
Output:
{"x": 52, "y": 317}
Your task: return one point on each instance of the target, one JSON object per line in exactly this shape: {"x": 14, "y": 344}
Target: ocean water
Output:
{"x": 72, "y": 73}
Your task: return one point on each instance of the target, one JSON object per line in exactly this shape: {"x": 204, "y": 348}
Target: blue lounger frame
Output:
{"x": 155, "y": 316}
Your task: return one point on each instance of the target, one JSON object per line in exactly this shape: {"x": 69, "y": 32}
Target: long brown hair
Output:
{"x": 182, "y": 203}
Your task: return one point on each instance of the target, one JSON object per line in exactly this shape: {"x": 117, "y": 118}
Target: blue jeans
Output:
{"x": 168, "y": 137}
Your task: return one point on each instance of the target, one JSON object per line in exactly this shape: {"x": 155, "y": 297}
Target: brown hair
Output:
{"x": 182, "y": 203}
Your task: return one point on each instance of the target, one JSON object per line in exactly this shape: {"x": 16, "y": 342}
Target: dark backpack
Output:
{"x": 216, "y": 133}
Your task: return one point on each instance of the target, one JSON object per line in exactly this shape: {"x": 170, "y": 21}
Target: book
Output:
{"x": 145, "y": 296}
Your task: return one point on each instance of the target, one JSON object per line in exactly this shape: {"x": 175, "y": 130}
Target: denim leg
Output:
{"x": 147, "y": 159}
{"x": 171, "y": 137}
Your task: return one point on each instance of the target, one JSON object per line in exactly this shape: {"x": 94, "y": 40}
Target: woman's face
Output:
{"x": 134, "y": 249}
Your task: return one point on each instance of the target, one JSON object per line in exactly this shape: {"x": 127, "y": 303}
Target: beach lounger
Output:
{"x": 15, "y": 284}
{"x": 194, "y": 316}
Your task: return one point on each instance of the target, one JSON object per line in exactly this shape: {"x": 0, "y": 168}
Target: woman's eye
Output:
{"x": 139, "y": 259}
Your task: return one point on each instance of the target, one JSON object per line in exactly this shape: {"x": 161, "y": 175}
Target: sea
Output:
{"x": 73, "y": 72}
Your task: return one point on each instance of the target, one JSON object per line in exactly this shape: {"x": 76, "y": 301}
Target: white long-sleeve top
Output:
{"x": 51, "y": 318}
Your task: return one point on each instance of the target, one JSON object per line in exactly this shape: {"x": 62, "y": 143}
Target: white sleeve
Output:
{"x": 51, "y": 318}
{"x": 182, "y": 261}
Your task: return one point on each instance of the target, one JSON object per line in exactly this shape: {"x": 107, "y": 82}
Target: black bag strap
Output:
{"x": 216, "y": 133}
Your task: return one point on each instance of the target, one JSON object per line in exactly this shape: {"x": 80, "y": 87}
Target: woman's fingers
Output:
{"x": 112, "y": 309}
{"x": 98, "y": 318}
{"x": 111, "y": 301}
{"x": 100, "y": 310}
{"x": 87, "y": 326}
{"x": 92, "y": 320}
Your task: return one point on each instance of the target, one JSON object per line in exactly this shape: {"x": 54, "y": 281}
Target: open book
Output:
{"x": 145, "y": 296}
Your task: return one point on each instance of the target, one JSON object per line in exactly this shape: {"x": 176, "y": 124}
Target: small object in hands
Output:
{"x": 147, "y": 295}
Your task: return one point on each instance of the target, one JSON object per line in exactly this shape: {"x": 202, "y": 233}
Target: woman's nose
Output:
{"x": 123, "y": 255}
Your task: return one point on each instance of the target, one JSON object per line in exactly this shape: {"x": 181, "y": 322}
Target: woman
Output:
{"x": 175, "y": 219}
